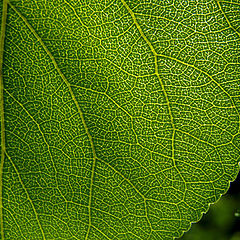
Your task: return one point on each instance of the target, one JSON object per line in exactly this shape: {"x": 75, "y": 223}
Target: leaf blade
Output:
{"x": 162, "y": 126}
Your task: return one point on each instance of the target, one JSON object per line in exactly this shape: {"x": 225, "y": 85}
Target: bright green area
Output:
{"x": 121, "y": 117}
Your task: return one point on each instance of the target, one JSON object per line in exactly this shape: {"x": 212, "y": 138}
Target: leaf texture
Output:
{"x": 119, "y": 119}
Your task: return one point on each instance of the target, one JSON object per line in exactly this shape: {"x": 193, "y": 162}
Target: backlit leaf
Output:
{"x": 119, "y": 118}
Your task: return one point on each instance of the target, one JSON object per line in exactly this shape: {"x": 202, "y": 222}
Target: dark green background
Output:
{"x": 222, "y": 222}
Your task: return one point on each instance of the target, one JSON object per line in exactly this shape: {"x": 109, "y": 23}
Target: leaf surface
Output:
{"x": 119, "y": 119}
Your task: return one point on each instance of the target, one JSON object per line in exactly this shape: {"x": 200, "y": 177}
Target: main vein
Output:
{"x": 76, "y": 103}
{"x": 3, "y": 147}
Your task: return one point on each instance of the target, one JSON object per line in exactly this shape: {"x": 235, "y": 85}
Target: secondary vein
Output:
{"x": 156, "y": 70}
{"x": 27, "y": 194}
{"x": 226, "y": 18}
{"x": 76, "y": 104}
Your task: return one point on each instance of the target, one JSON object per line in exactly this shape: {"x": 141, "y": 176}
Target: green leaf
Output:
{"x": 119, "y": 119}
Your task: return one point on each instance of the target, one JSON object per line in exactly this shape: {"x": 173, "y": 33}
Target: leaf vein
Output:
{"x": 28, "y": 197}
{"x": 75, "y": 102}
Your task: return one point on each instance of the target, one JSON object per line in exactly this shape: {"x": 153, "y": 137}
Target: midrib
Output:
{"x": 3, "y": 147}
